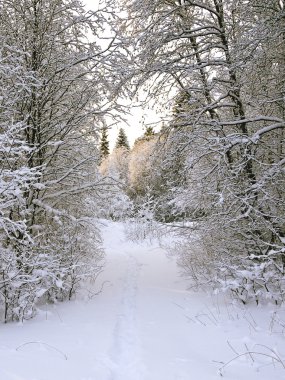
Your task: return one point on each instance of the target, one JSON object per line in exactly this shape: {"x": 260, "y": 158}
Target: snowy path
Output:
{"x": 125, "y": 350}
{"x": 145, "y": 325}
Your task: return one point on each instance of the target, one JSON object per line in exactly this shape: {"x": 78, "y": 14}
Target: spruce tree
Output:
{"x": 122, "y": 140}
{"x": 149, "y": 133}
{"x": 104, "y": 145}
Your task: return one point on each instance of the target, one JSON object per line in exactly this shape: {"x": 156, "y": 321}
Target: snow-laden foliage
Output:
{"x": 56, "y": 85}
{"x": 141, "y": 224}
{"x": 16, "y": 178}
{"x": 140, "y": 168}
{"x": 115, "y": 203}
{"x": 220, "y": 67}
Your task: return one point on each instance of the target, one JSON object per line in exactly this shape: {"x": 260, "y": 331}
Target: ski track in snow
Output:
{"x": 125, "y": 351}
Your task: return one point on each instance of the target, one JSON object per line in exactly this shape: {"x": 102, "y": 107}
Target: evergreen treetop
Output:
{"x": 149, "y": 133}
{"x": 104, "y": 145}
{"x": 122, "y": 140}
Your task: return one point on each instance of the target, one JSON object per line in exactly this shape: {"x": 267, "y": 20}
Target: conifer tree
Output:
{"x": 122, "y": 140}
{"x": 149, "y": 133}
{"x": 104, "y": 146}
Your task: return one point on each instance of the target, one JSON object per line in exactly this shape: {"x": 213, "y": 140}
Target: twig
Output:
{"x": 249, "y": 352}
{"x": 272, "y": 321}
{"x": 276, "y": 358}
{"x": 253, "y": 320}
{"x": 189, "y": 319}
{"x": 58, "y": 315}
{"x": 204, "y": 324}
{"x": 212, "y": 314}
{"x": 181, "y": 307}
{"x": 207, "y": 316}
{"x": 271, "y": 350}
{"x": 229, "y": 344}
{"x": 46, "y": 344}
{"x": 91, "y": 294}
{"x": 249, "y": 322}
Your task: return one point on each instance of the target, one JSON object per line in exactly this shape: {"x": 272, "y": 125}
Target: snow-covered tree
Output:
{"x": 16, "y": 178}
{"x": 140, "y": 166}
{"x": 55, "y": 89}
{"x": 115, "y": 202}
{"x": 225, "y": 60}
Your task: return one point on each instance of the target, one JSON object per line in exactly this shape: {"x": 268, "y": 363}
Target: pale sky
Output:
{"x": 137, "y": 121}
{"x": 138, "y": 118}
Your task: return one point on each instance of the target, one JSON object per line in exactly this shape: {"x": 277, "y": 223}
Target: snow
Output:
{"x": 144, "y": 325}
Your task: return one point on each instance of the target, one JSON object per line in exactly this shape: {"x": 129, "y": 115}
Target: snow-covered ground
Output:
{"x": 144, "y": 325}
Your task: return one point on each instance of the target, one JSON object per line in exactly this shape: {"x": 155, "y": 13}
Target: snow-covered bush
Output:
{"x": 142, "y": 223}
{"x": 114, "y": 201}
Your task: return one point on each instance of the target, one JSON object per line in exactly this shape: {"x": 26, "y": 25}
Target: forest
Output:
{"x": 212, "y": 172}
